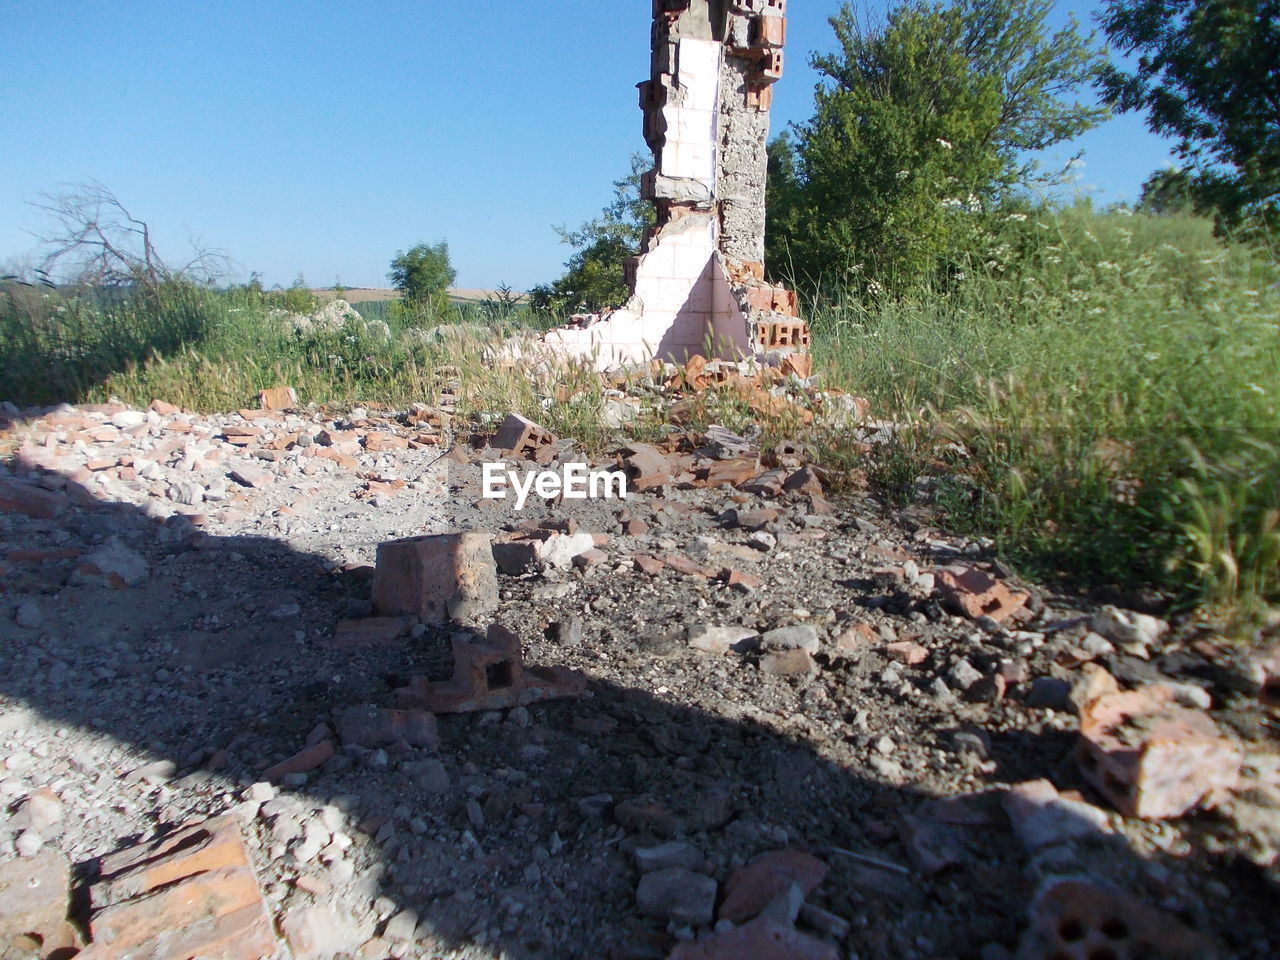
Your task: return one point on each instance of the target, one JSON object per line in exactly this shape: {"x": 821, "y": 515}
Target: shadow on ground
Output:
{"x": 518, "y": 842}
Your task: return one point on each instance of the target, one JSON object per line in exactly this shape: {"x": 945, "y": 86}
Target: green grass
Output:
{"x": 1100, "y": 393}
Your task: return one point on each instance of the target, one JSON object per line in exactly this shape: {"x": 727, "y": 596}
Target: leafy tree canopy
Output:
{"x": 423, "y": 274}
{"x": 926, "y": 116}
{"x": 1207, "y": 75}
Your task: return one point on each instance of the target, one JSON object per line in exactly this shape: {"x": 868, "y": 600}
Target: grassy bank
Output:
{"x": 1097, "y": 392}
{"x": 1100, "y": 393}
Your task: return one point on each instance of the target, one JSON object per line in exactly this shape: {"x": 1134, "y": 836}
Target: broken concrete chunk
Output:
{"x": 33, "y": 905}
{"x": 436, "y": 578}
{"x": 720, "y": 640}
{"x": 1154, "y": 759}
{"x": 370, "y": 726}
{"x": 1134, "y": 633}
{"x": 113, "y": 565}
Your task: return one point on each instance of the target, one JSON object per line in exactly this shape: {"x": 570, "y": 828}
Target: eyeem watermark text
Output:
{"x": 575, "y": 481}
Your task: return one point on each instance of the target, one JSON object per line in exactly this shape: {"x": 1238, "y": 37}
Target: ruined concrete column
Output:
{"x": 697, "y": 286}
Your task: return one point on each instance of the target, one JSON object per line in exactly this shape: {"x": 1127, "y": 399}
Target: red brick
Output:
{"x": 645, "y": 466}
{"x": 191, "y": 893}
{"x": 436, "y": 578}
{"x": 751, "y": 888}
{"x": 647, "y": 564}
{"x": 491, "y": 674}
{"x": 523, "y": 438}
{"x": 384, "y": 442}
{"x": 1075, "y": 919}
{"x": 976, "y": 593}
{"x": 30, "y": 501}
{"x": 278, "y": 398}
{"x": 1152, "y": 758}
{"x": 301, "y": 762}
{"x": 731, "y": 472}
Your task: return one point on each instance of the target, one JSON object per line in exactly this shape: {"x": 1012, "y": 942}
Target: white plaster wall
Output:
{"x": 689, "y": 151}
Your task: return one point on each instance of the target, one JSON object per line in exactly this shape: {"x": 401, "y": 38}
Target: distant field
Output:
{"x": 367, "y": 294}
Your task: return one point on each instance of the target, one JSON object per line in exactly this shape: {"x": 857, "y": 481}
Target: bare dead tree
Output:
{"x": 96, "y": 241}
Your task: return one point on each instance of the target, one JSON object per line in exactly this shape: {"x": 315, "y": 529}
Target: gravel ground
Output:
{"x": 129, "y": 711}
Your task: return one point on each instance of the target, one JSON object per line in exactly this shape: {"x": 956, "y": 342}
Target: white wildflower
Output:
{"x": 945, "y": 144}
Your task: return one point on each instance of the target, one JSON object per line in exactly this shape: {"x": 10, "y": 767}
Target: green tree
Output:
{"x": 919, "y": 121}
{"x": 1206, "y": 74}
{"x": 595, "y": 276}
{"x": 423, "y": 275}
{"x": 1168, "y": 191}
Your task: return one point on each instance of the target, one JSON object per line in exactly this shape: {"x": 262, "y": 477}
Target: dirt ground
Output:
{"x": 872, "y": 734}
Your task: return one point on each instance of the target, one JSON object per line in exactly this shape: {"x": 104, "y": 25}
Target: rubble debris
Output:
{"x": 1042, "y": 817}
{"x": 976, "y": 593}
{"x": 490, "y": 674}
{"x": 371, "y": 726}
{"x": 34, "y": 893}
{"x": 1078, "y": 920}
{"x": 1152, "y": 758}
{"x": 1134, "y": 633}
{"x": 278, "y": 398}
{"x": 190, "y": 893}
{"x": 676, "y": 893}
{"x": 437, "y": 578}
{"x": 761, "y": 939}
{"x": 523, "y": 438}
{"x": 751, "y": 888}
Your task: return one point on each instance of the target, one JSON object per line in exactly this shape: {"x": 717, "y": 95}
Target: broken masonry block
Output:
{"x": 768, "y": 69}
{"x": 782, "y": 333}
{"x": 751, "y": 888}
{"x": 490, "y": 674}
{"x": 523, "y": 438}
{"x": 34, "y": 895}
{"x": 436, "y": 578}
{"x": 769, "y": 30}
{"x": 191, "y": 893}
{"x": 762, "y": 939}
{"x": 645, "y": 466}
{"x": 975, "y": 593}
{"x": 1153, "y": 759}
{"x": 278, "y": 398}
{"x": 1078, "y": 920}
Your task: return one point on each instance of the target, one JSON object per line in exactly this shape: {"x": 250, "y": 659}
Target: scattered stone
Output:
{"x": 1134, "y": 633}
{"x": 112, "y": 565}
{"x": 1042, "y": 817}
{"x": 28, "y": 615}
{"x": 751, "y": 888}
{"x": 761, "y": 939}
{"x": 371, "y": 726}
{"x": 679, "y": 894}
{"x": 720, "y": 640}
{"x": 802, "y": 636}
{"x": 787, "y": 663}
{"x": 667, "y": 855}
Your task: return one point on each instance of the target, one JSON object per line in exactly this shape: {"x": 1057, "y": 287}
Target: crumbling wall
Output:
{"x": 697, "y": 286}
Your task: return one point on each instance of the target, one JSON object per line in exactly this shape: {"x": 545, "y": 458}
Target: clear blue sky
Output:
{"x": 321, "y": 137}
